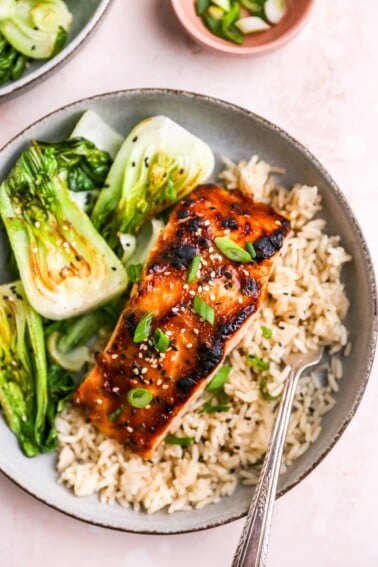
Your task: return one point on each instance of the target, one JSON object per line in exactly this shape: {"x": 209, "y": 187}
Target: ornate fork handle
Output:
{"x": 253, "y": 545}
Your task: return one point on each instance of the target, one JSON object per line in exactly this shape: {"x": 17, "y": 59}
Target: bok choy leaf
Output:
{"x": 159, "y": 163}
{"x": 37, "y": 29}
{"x": 31, "y": 390}
{"x": 65, "y": 265}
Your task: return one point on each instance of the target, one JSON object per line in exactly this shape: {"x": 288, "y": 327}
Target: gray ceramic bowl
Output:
{"x": 237, "y": 133}
{"x": 86, "y": 16}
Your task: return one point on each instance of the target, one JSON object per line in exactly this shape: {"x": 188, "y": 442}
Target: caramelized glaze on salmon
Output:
{"x": 233, "y": 290}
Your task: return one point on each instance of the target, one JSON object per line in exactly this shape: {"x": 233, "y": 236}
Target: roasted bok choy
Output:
{"x": 31, "y": 388}
{"x": 36, "y": 28}
{"x": 65, "y": 265}
{"x": 159, "y": 163}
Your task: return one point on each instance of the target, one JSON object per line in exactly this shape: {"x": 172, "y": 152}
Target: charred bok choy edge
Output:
{"x": 65, "y": 265}
{"x": 36, "y": 29}
{"x": 158, "y": 164}
{"x": 32, "y": 389}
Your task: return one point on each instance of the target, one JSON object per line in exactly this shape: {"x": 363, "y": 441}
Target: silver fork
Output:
{"x": 253, "y": 544}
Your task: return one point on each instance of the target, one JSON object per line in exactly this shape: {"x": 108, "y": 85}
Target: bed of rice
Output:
{"x": 305, "y": 306}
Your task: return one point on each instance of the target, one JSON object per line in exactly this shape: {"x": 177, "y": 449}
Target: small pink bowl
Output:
{"x": 291, "y": 23}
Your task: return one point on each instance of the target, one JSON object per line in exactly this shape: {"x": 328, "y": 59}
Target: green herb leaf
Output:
{"x": 219, "y": 379}
{"x": 160, "y": 340}
{"x": 139, "y": 397}
{"x": 193, "y": 269}
{"x": 204, "y": 310}
{"x": 251, "y": 250}
{"x": 134, "y": 272}
{"x": 182, "y": 441}
{"x": 265, "y": 393}
{"x": 266, "y": 332}
{"x": 232, "y": 250}
{"x": 116, "y": 413}
{"x": 257, "y": 363}
{"x": 143, "y": 328}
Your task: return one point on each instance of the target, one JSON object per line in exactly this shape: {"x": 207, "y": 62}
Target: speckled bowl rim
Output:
{"x": 364, "y": 251}
{"x": 197, "y": 33}
{"x": 14, "y": 88}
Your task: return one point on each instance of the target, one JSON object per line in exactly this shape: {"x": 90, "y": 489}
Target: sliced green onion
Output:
{"x": 257, "y": 363}
{"x": 143, "y": 328}
{"x": 134, "y": 272}
{"x": 193, "y": 269}
{"x": 275, "y": 10}
{"x": 252, "y": 24}
{"x": 201, "y": 6}
{"x": 215, "y": 12}
{"x": 116, "y": 413}
{"x": 160, "y": 340}
{"x": 204, "y": 310}
{"x": 219, "y": 379}
{"x": 265, "y": 393}
{"x": 266, "y": 332}
{"x": 210, "y": 408}
{"x": 251, "y": 250}
{"x": 232, "y": 250}
{"x": 182, "y": 441}
{"x": 139, "y": 397}
{"x": 225, "y": 5}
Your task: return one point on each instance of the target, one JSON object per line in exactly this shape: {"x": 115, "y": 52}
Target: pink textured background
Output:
{"x": 323, "y": 88}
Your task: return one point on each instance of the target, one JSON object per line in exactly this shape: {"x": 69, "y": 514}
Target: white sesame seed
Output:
{"x": 114, "y": 356}
{"x": 189, "y": 345}
{"x": 167, "y": 273}
{"x": 211, "y": 284}
{"x": 212, "y": 274}
{"x": 227, "y": 231}
{"x": 115, "y": 389}
{"x": 148, "y": 406}
{"x": 206, "y": 287}
{"x": 24, "y": 418}
{"x": 245, "y": 272}
{"x": 140, "y": 355}
{"x": 200, "y": 288}
{"x": 165, "y": 387}
{"x": 135, "y": 371}
{"x": 212, "y": 297}
{"x": 192, "y": 292}
{"x": 130, "y": 429}
{"x": 175, "y": 309}
{"x": 170, "y": 285}
{"x": 144, "y": 370}
{"x": 211, "y": 249}
{"x": 183, "y": 330}
{"x": 168, "y": 333}
{"x": 185, "y": 286}
{"x": 159, "y": 382}
{"x": 196, "y": 331}
{"x": 240, "y": 300}
{"x": 37, "y": 224}
{"x": 99, "y": 401}
{"x": 207, "y": 222}
{"x": 35, "y": 250}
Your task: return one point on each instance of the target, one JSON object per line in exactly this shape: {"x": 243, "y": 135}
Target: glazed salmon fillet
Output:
{"x": 231, "y": 290}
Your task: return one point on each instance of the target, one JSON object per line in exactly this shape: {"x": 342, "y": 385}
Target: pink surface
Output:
{"x": 291, "y": 23}
{"x": 323, "y": 88}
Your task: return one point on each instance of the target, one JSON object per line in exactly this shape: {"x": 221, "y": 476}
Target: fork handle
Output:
{"x": 253, "y": 544}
